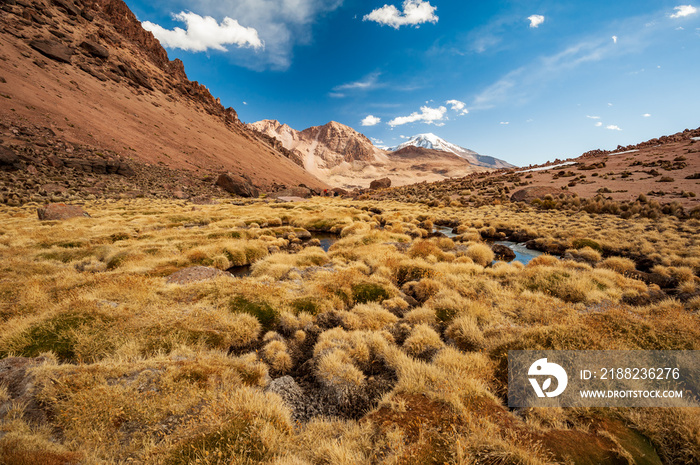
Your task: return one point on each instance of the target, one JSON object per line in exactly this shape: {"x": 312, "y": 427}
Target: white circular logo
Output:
{"x": 543, "y": 368}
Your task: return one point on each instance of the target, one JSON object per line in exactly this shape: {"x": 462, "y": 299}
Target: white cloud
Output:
{"x": 598, "y": 124}
{"x": 592, "y": 117}
{"x": 536, "y": 20}
{"x": 459, "y": 107}
{"x": 371, "y": 120}
{"x": 684, "y": 10}
{"x": 613, "y": 127}
{"x": 414, "y": 12}
{"x": 505, "y": 123}
{"x": 204, "y": 33}
{"x": 646, "y": 115}
{"x": 280, "y": 24}
{"x": 614, "y": 38}
{"x": 369, "y": 82}
{"x": 245, "y": 103}
{"x": 610, "y": 104}
{"x": 427, "y": 115}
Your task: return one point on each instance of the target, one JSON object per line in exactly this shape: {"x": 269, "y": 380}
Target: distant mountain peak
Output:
{"x": 432, "y": 142}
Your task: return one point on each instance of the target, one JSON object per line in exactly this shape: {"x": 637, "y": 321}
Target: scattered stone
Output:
{"x": 194, "y": 274}
{"x": 237, "y": 185}
{"x": 503, "y": 252}
{"x": 179, "y": 194}
{"x": 95, "y": 49}
{"x": 52, "y": 49}
{"x": 383, "y": 183}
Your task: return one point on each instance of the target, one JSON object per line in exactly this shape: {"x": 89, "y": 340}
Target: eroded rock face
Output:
{"x": 60, "y": 211}
{"x": 534, "y": 192}
{"x": 53, "y": 49}
{"x": 383, "y": 183}
{"x": 237, "y": 185}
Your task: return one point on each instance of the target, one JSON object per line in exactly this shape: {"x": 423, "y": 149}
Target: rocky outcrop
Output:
{"x": 237, "y": 185}
{"x": 53, "y": 49}
{"x": 60, "y": 211}
{"x": 383, "y": 183}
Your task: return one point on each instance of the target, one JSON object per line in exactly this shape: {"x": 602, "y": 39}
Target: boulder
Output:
{"x": 9, "y": 161}
{"x": 68, "y": 7}
{"x": 60, "y": 211}
{"x": 383, "y": 183}
{"x": 94, "y": 49}
{"x": 52, "y": 49}
{"x": 237, "y": 185}
{"x": 503, "y": 252}
{"x": 531, "y": 193}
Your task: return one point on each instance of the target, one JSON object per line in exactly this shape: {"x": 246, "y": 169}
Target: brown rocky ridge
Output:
{"x": 86, "y": 90}
{"x": 341, "y": 156}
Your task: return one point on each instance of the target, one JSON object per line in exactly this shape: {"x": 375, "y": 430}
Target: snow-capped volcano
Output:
{"x": 432, "y": 142}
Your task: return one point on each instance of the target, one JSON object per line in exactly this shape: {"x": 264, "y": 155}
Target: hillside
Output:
{"x": 85, "y": 81}
{"x": 343, "y": 157}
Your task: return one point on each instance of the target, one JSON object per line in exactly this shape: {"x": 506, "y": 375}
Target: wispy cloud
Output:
{"x": 368, "y": 82}
{"x": 459, "y": 107}
{"x": 646, "y": 115}
{"x": 371, "y": 120}
{"x": 427, "y": 115}
{"x": 535, "y": 20}
{"x": 414, "y": 12}
{"x": 681, "y": 11}
{"x": 524, "y": 84}
{"x": 592, "y": 117}
{"x": 204, "y": 33}
{"x": 614, "y": 38}
{"x": 504, "y": 123}
{"x": 598, "y": 124}
{"x": 613, "y": 127}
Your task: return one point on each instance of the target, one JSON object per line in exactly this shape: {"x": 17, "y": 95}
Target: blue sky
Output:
{"x": 526, "y": 81}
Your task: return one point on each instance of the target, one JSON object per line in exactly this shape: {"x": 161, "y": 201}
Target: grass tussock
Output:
{"x": 391, "y": 347}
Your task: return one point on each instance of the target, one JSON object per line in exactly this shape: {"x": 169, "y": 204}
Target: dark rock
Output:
{"x": 383, "y": 183}
{"x": 54, "y": 162}
{"x": 52, "y": 49}
{"x": 67, "y": 6}
{"x": 531, "y": 193}
{"x": 503, "y": 252}
{"x": 237, "y": 185}
{"x": 60, "y": 211}
{"x": 9, "y": 161}
{"x": 94, "y": 49}
{"x": 125, "y": 170}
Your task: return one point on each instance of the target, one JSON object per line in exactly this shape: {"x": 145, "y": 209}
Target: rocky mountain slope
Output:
{"x": 84, "y": 81}
{"x": 658, "y": 176}
{"x": 433, "y": 142}
{"x": 343, "y": 157}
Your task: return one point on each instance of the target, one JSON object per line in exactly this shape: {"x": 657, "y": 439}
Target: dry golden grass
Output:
{"x": 412, "y": 329}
